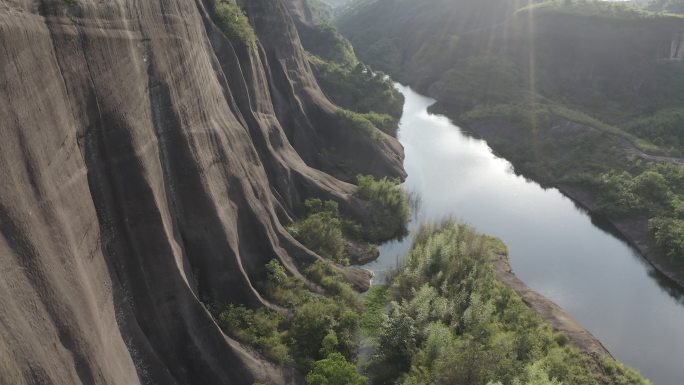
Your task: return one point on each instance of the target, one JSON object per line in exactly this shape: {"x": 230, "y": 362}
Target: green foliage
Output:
{"x": 453, "y": 323}
{"x": 258, "y": 328}
{"x": 321, "y": 230}
{"x": 583, "y": 118}
{"x": 329, "y": 343}
{"x": 362, "y": 90}
{"x": 478, "y": 80}
{"x": 320, "y": 327}
{"x": 335, "y": 370}
{"x": 347, "y": 82}
{"x": 387, "y": 206}
{"x": 657, "y": 192}
{"x": 384, "y": 53}
{"x": 325, "y": 275}
{"x": 648, "y": 192}
{"x": 374, "y": 304}
{"x": 311, "y": 323}
{"x": 617, "y": 197}
{"x": 359, "y": 123}
{"x": 324, "y": 41}
{"x": 283, "y": 289}
{"x": 663, "y": 129}
{"x": 234, "y": 23}
{"x": 669, "y": 235}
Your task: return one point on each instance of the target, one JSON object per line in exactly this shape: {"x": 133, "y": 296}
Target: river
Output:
{"x": 553, "y": 244}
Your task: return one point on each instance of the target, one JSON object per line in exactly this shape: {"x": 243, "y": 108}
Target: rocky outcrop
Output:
{"x": 147, "y": 164}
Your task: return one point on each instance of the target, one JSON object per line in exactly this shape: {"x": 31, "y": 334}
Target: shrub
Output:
{"x": 283, "y": 289}
{"x": 362, "y": 90}
{"x": 323, "y": 40}
{"x": 387, "y": 206}
{"x": 323, "y": 274}
{"x": 235, "y": 24}
{"x": 616, "y": 196}
{"x": 662, "y": 128}
{"x": 321, "y": 230}
{"x": 669, "y": 235}
{"x": 335, "y": 370}
{"x": 311, "y": 323}
{"x": 258, "y": 328}
{"x": 359, "y": 123}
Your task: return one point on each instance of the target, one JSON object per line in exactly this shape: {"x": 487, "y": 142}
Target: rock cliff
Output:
{"x": 147, "y": 165}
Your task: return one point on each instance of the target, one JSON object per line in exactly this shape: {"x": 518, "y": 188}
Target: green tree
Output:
{"x": 669, "y": 235}
{"x": 329, "y": 343}
{"x": 321, "y": 230}
{"x": 311, "y": 323}
{"x": 653, "y": 189}
{"x": 387, "y": 206}
{"x": 335, "y": 370}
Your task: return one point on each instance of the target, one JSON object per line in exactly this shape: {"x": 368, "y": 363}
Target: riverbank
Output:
{"x": 553, "y": 245}
{"x": 458, "y": 313}
{"x": 634, "y": 230}
{"x": 559, "y": 319}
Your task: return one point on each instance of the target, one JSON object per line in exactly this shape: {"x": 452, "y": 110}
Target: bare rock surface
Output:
{"x": 146, "y": 165}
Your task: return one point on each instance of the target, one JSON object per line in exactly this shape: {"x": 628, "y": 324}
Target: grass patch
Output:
{"x": 359, "y": 123}
{"x": 234, "y": 23}
{"x": 374, "y": 304}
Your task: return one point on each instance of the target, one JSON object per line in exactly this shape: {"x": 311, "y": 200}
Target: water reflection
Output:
{"x": 555, "y": 247}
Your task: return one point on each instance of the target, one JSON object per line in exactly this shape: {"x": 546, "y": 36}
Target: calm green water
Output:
{"x": 554, "y": 246}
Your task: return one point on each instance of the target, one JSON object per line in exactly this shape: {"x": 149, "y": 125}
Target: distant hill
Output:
{"x": 582, "y": 52}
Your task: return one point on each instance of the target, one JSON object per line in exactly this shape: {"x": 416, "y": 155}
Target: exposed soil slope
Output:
{"x": 147, "y": 163}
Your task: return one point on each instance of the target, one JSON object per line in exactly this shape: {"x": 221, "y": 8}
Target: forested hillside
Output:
{"x": 583, "y": 95}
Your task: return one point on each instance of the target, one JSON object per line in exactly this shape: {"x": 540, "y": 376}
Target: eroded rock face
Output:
{"x": 146, "y": 165}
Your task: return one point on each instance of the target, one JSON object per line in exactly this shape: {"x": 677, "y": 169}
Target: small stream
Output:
{"x": 554, "y": 245}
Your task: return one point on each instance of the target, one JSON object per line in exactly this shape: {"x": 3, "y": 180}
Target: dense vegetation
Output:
{"x": 387, "y": 207}
{"x": 451, "y": 322}
{"x": 320, "y": 332}
{"x": 317, "y": 327}
{"x": 573, "y": 92}
{"x": 321, "y": 230}
{"x": 234, "y": 23}
{"x": 258, "y": 328}
{"x": 350, "y": 84}
{"x": 324, "y": 230}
